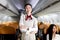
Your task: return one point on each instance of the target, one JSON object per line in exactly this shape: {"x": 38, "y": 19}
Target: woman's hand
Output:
{"x": 23, "y": 27}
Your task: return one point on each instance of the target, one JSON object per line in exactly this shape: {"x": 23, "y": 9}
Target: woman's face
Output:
{"x": 28, "y": 9}
{"x": 54, "y": 29}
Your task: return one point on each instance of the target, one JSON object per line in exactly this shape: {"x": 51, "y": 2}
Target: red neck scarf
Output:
{"x": 28, "y": 17}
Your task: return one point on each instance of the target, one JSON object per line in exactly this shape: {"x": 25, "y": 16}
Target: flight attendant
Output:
{"x": 28, "y": 24}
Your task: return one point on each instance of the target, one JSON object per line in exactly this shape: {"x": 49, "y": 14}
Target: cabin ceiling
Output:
{"x": 37, "y": 5}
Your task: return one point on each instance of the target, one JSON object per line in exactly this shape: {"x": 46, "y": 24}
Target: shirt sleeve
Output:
{"x": 35, "y": 26}
{"x": 21, "y": 22}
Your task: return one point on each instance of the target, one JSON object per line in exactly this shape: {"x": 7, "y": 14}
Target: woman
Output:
{"x": 52, "y": 30}
{"x": 28, "y": 24}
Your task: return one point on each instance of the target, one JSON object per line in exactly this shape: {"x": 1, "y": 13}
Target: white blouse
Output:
{"x": 57, "y": 37}
{"x": 31, "y": 24}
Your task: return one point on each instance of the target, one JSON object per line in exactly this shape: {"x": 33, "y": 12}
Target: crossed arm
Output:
{"x": 23, "y": 28}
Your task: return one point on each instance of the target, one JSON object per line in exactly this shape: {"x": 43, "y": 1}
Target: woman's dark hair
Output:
{"x": 50, "y": 31}
{"x": 27, "y": 4}
{"x": 41, "y": 23}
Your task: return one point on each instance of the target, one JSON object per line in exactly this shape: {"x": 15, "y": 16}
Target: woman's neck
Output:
{"x": 53, "y": 35}
{"x": 28, "y": 14}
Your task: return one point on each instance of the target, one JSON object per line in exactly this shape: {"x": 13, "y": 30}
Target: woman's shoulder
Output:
{"x": 34, "y": 17}
{"x": 57, "y": 35}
